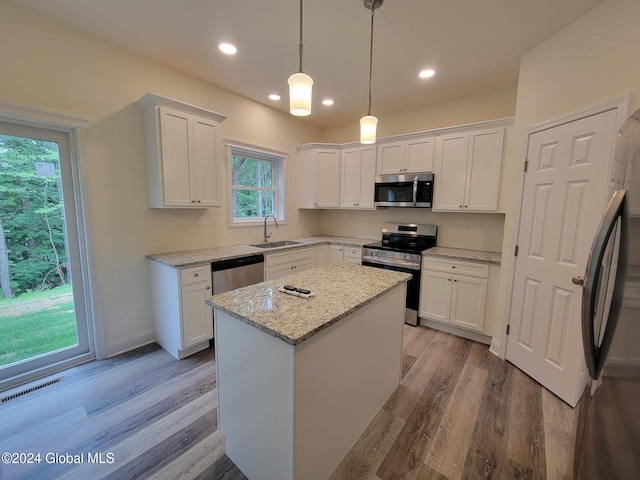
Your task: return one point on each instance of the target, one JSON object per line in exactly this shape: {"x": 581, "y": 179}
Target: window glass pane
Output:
{"x": 250, "y": 172}
{"x": 252, "y": 204}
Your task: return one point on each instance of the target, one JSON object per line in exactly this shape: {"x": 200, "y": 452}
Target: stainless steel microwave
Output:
{"x": 407, "y": 190}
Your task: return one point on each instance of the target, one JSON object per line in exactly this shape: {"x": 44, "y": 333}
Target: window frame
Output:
{"x": 279, "y": 169}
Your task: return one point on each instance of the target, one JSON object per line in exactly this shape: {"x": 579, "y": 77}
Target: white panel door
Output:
{"x": 562, "y": 203}
{"x": 367, "y": 176}
{"x": 390, "y": 158}
{"x": 327, "y": 178}
{"x": 197, "y": 317}
{"x": 205, "y": 144}
{"x": 483, "y": 170}
{"x": 450, "y": 169}
{"x": 468, "y": 300}
{"x": 176, "y": 152}
{"x": 350, "y": 178}
{"x": 419, "y": 154}
{"x": 435, "y": 295}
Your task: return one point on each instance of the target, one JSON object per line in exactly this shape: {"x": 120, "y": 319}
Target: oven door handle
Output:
{"x": 415, "y": 190}
{"x": 374, "y": 262}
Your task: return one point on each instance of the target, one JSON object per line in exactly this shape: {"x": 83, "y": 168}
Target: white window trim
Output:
{"x": 280, "y": 179}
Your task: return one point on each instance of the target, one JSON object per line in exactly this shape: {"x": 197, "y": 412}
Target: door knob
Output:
{"x": 578, "y": 280}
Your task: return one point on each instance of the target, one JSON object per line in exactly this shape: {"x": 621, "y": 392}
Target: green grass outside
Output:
{"x": 46, "y": 322}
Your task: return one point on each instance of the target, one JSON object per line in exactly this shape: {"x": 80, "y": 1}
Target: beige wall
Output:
{"x": 486, "y": 106}
{"x": 52, "y": 68}
{"x": 594, "y": 60}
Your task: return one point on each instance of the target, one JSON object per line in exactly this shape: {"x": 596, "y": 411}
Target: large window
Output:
{"x": 257, "y": 185}
{"x": 45, "y": 313}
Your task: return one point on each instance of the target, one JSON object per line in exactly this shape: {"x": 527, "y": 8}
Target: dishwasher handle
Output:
{"x": 219, "y": 265}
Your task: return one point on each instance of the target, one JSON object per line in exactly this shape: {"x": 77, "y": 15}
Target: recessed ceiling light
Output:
{"x": 428, "y": 73}
{"x": 327, "y": 102}
{"x": 274, "y": 96}
{"x": 228, "y": 48}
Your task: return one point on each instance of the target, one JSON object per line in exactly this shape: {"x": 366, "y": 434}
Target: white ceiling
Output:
{"x": 475, "y": 45}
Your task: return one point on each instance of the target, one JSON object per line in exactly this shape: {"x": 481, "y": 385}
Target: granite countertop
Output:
{"x": 464, "y": 254}
{"x": 190, "y": 258}
{"x": 338, "y": 290}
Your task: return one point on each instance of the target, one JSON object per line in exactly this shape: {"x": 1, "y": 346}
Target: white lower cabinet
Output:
{"x": 322, "y": 255}
{"x": 454, "y": 292}
{"x": 336, "y": 254}
{"x": 183, "y": 322}
{"x": 279, "y": 264}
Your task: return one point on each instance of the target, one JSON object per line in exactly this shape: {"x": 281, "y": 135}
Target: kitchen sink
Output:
{"x": 279, "y": 243}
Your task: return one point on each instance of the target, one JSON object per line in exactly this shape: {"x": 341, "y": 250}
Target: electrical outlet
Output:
{"x": 199, "y": 221}
{"x": 468, "y": 224}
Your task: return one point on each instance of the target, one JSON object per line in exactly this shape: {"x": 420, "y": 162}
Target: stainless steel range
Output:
{"x": 401, "y": 250}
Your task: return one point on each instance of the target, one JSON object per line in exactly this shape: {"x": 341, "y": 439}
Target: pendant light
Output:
{"x": 300, "y": 85}
{"x": 369, "y": 123}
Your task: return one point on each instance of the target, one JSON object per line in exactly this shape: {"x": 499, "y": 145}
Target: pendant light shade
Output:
{"x": 300, "y": 85}
{"x": 369, "y": 123}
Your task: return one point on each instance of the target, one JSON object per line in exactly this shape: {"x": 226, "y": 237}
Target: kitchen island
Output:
{"x": 299, "y": 379}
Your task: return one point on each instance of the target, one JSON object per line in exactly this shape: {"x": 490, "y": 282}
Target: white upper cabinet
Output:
{"x": 467, "y": 170}
{"x": 406, "y": 156}
{"x": 358, "y": 176}
{"x": 182, "y": 149}
{"x": 319, "y": 176}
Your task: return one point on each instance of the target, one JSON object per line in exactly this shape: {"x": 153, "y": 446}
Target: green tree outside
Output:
{"x": 32, "y": 236}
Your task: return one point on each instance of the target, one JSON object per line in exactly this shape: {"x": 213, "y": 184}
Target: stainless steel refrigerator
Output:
{"x": 608, "y": 435}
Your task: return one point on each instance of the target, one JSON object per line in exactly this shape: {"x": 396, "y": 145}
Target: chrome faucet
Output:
{"x": 265, "y": 236}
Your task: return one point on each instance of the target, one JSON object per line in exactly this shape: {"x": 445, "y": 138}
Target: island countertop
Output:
{"x": 337, "y": 289}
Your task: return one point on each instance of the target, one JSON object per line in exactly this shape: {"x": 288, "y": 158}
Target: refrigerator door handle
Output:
{"x": 595, "y": 355}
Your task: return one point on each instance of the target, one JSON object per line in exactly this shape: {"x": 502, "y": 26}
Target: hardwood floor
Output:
{"x": 462, "y": 413}
{"x": 459, "y": 413}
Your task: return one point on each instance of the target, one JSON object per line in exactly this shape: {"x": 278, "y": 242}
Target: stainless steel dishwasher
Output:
{"x": 237, "y": 272}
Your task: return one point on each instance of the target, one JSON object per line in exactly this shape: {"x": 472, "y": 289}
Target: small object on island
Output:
{"x": 298, "y": 292}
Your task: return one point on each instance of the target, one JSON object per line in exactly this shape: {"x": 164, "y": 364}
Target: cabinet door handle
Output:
{"x": 199, "y": 201}
{"x": 196, "y": 274}
{"x": 208, "y": 288}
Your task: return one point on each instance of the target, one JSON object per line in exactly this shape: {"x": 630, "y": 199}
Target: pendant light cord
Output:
{"x": 300, "y": 47}
{"x": 370, "y": 59}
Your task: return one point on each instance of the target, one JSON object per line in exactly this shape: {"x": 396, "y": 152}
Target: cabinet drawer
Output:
{"x": 461, "y": 268}
{"x": 195, "y": 274}
{"x": 353, "y": 252}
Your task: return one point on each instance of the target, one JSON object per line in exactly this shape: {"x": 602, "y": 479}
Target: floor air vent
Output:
{"x": 26, "y": 391}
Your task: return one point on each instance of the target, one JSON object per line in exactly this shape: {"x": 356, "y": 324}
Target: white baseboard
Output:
{"x": 124, "y": 345}
{"x": 495, "y": 347}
